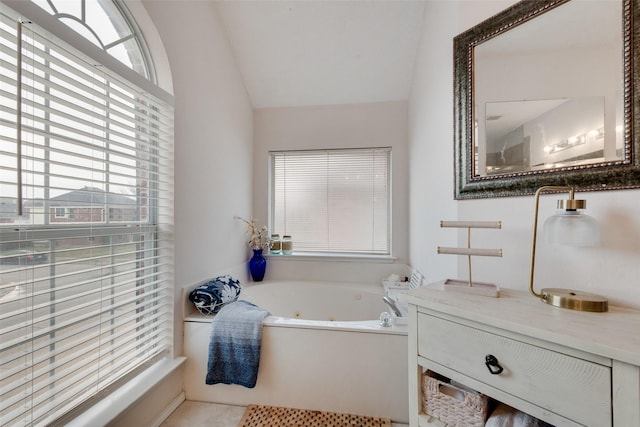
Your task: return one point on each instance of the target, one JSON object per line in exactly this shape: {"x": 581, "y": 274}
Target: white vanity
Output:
{"x": 565, "y": 367}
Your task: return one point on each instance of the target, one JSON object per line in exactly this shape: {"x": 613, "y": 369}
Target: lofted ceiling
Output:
{"x": 324, "y": 52}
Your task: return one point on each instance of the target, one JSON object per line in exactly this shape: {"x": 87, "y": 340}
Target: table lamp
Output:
{"x": 568, "y": 227}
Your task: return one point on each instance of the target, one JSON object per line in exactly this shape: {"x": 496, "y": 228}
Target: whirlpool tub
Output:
{"x": 322, "y": 348}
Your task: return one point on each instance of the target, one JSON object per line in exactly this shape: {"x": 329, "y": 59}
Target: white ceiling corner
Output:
{"x": 320, "y": 52}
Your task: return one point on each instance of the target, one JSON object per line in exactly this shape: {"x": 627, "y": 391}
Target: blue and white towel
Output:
{"x": 210, "y": 297}
{"x": 234, "y": 346}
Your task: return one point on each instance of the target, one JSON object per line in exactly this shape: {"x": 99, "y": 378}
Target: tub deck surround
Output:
{"x": 566, "y": 367}
{"x": 349, "y": 365}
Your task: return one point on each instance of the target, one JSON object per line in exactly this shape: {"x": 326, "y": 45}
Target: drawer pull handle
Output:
{"x": 493, "y": 365}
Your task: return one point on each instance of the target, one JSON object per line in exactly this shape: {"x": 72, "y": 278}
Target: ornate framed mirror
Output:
{"x": 546, "y": 93}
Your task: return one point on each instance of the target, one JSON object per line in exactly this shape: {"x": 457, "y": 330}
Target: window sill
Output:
{"x": 315, "y": 256}
{"x": 116, "y": 403}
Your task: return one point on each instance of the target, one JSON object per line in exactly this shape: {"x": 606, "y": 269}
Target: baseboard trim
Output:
{"x": 169, "y": 410}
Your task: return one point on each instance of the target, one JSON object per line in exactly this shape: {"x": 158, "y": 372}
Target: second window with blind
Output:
{"x": 333, "y": 201}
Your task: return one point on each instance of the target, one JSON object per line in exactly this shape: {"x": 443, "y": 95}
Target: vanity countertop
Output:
{"x": 614, "y": 334}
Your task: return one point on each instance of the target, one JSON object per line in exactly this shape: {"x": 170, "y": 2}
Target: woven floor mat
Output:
{"x": 273, "y": 416}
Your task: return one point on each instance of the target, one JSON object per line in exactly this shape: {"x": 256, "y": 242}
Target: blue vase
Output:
{"x": 257, "y": 265}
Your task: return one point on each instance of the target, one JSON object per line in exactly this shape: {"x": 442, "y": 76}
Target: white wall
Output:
{"x": 431, "y": 145}
{"x": 213, "y": 145}
{"x": 338, "y": 126}
{"x": 611, "y": 270}
{"x": 213, "y": 162}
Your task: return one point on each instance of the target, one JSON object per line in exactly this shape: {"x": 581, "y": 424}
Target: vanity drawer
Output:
{"x": 563, "y": 384}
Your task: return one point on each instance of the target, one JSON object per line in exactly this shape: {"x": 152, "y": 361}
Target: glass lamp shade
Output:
{"x": 570, "y": 227}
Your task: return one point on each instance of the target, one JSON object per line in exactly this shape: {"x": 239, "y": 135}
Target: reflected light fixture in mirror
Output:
{"x": 567, "y": 227}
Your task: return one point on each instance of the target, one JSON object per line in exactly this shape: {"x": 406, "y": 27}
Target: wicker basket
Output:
{"x": 456, "y": 406}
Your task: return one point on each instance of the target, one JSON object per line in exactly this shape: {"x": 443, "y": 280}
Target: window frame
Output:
{"x": 336, "y": 255}
{"x": 47, "y": 233}
{"x": 71, "y": 38}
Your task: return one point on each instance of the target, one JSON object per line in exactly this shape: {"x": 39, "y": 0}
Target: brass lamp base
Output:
{"x": 575, "y": 300}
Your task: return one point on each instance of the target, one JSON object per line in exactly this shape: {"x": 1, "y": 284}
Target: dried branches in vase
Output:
{"x": 258, "y": 236}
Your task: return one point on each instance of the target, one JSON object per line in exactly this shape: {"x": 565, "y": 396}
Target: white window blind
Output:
{"x": 335, "y": 201}
{"x": 86, "y": 269}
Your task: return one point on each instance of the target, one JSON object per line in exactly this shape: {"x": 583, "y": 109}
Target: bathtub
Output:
{"x": 322, "y": 349}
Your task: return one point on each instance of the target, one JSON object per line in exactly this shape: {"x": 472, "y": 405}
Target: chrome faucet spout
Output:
{"x": 392, "y": 304}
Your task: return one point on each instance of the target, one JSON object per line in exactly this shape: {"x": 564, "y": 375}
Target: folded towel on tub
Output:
{"x": 234, "y": 346}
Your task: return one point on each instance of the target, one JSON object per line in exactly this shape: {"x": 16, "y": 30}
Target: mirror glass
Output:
{"x": 549, "y": 94}
{"x": 544, "y": 96}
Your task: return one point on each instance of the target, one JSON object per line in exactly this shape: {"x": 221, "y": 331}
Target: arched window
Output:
{"x": 107, "y": 24}
{"x": 86, "y": 184}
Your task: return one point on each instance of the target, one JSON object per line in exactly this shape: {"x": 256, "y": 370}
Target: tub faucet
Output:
{"x": 391, "y": 303}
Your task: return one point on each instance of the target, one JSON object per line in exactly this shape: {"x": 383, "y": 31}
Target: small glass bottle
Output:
{"x": 287, "y": 245}
{"x": 276, "y": 244}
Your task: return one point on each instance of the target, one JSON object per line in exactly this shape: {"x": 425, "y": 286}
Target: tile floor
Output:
{"x": 201, "y": 414}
